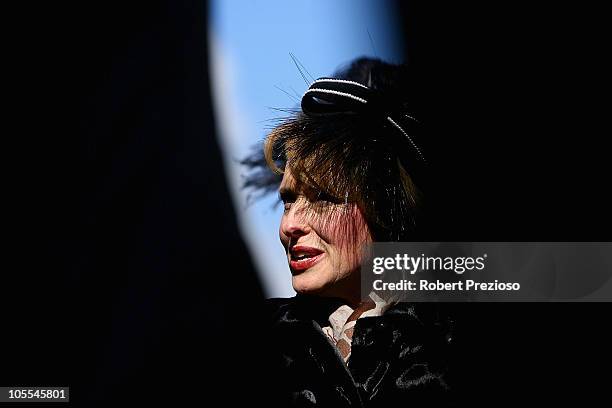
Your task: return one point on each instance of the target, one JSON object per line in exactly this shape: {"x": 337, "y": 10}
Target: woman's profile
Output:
{"x": 352, "y": 168}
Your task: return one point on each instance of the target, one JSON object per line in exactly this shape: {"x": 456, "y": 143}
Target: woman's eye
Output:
{"x": 288, "y": 198}
{"x": 328, "y": 198}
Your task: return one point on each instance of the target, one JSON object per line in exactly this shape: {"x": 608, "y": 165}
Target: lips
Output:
{"x": 303, "y": 257}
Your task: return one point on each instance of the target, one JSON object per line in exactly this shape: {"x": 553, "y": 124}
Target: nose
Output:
{"x": 293, "y": 225}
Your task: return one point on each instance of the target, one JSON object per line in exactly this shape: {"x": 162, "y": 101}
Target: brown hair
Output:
{"x": 356, "y": 157}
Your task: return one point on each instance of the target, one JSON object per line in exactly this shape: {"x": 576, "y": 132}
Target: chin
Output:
{"x": 309, "y": 282}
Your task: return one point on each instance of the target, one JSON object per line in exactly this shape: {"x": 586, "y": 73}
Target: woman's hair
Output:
{"x": 366, "y": 155}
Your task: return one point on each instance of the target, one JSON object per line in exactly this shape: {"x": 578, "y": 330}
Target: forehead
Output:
{"x": 288, "y": 181}
{"x": 291, "y": 184}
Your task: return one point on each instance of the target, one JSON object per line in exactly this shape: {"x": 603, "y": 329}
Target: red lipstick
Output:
{"x": 303, "y": 257}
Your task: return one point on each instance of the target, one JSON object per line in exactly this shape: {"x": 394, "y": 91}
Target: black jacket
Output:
{"x": 404, "y": 356}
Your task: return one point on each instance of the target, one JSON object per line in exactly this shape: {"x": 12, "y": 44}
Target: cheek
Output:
{"x": 346, "y": 232}
{"x": 343, "y": 227}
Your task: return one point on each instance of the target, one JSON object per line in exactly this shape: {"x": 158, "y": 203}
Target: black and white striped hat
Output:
{"x": 332, "y": 95}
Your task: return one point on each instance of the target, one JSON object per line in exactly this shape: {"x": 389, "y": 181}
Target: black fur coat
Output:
{"x": 404, "y": 356}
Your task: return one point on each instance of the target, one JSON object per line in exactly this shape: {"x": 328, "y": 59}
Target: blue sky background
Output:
{"x": 250, "y": 46}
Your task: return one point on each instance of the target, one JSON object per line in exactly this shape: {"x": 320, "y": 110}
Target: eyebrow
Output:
{"x": 286, "y": 193}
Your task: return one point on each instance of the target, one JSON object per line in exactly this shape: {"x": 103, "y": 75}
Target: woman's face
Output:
{"x": 323, "y": 239}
